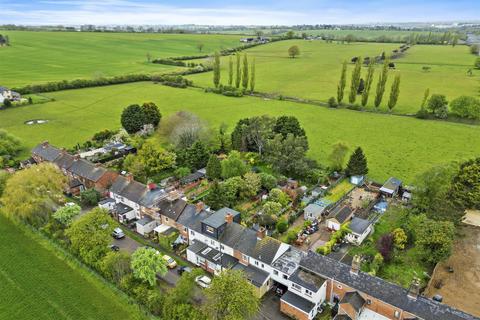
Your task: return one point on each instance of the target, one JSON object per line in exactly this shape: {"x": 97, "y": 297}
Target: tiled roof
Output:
{"x": 218, "y": 218}
{"x": 64, "y": 161}
{"x": 46, "y": 152}
{"x": 136, "y": 192}
{"x": 390, "y": 293}
{"x": 256, "y": 276}
{"x": 172, "y": 209}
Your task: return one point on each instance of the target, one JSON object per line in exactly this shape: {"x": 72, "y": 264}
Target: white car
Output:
{"x": 203, "y": 281}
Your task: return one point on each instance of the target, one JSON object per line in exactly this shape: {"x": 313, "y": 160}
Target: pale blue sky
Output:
{"x": 233, "y": 12}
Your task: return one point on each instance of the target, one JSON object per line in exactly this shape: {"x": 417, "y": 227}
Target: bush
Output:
{"x": 7, "y": 103}
{"x": 182, "y": 172}
{"x": 332, "y": 103}
{"x": 477, "y": 63}
{"x": 282, "y": 225}
{"x": 438, "y": 105}
{"x": 90, "y": 197}
{"x": 466, "y": 107}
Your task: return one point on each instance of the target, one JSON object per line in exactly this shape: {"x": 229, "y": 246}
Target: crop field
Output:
{"x": 316, "y": 72}
{"x": 36, "y": 284}
{"x": 394, "y": 145}
{"x": 366, "y": 34}
{"x": 36, "y": 57}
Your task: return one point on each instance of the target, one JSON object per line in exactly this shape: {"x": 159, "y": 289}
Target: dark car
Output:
{"x": 114, "y": 247}
{"x": 183, "y": 269}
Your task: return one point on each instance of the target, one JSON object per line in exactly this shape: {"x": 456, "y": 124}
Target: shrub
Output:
{"x": 438, "y": 105}
{"x": 477, "y": 63}
{"x": 7, "y": 103}
{"x": 385, "y": 246}
{"x": 90, "y": 197}
{"x": 282, "y": 225}
{"x": 399, "y": 238}
{"x": 332, "y": 103}
{"x": 466, "y": 107}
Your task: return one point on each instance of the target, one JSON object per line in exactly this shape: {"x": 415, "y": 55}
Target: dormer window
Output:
{"x": 210, "y": 229}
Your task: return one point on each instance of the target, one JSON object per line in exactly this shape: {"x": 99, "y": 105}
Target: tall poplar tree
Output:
{"x": 394, "y": 93}
{"x": 245, "y": 72}
{"x": 230, "y": 71}
{"x": 342, "y": 83}
{"x": 382, "y": 80}
{"x": 252, "y": 76}
{"x": 368, "y": 83}
{"x": 356, "y": 74}
{"x": 239, "y": 75}
{"x": 216, "y": 70}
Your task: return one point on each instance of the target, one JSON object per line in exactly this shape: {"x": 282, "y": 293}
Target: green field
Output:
{"x": 36, "y": 57}
{"x": 366, "y": 34}
{"x": 36, "y": 284}
{"x": 315, "y": 74}
{"x": 394, "y": 145}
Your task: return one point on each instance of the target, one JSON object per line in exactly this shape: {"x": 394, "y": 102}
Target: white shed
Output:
{"x": 145, "y": 225}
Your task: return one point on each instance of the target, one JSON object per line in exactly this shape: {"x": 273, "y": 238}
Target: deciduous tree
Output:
{"x": 233, "y": 166}
{"x": 252, "y": 76}
{"x": 438, "y": 105}
{"x": 65, "y": 214}
{"x": 115, "y": 265}
{"x": 238, "y": 78}
{"x": 133, "y": 118}
{"x": 342, "y": 83}
{"x": 245, "y": 72}
{"x": 90, "y": 235}
{"x": 465, "y": 190}
{"x": 230, "y": 71}
{"x": 216, "y": 70}
{"x": 32, "y": 194}
{"x": 355, "y": 81}
{"x": 146, "y": 263}
{"x": 214, "y": 168}
{"x": 288, "y": 124}
{"x": 368, "y": 83}
{"x": 151, "y": 113}
{"x": 382, "y": 81}
{"x": 293, "y": 51}
{"x": 288, "y": 155}
{"x": 337, "y": 157}
{"x": 394, "y": 93}
{"x": 436, "y": 239}
{"x": 231, "y": 297}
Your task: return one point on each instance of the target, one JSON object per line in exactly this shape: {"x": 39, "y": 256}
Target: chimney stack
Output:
{"x": 76, "y": 157}
{"x": 261, "y": 233}
{"x": 199, "y": 206}
{"x": 414, "y": 289}
{"x": 129, "y": 177}
{"x": 45, "y": 144}
{"x": 229, "y": 218}
{"x": 356, "y": 262}
{"x": 63, "y": 151}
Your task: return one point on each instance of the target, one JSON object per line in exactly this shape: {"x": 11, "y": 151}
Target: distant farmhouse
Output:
{"x": 7, "y": 94}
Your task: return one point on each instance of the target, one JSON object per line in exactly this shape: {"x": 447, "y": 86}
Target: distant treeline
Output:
{"x": 173, "y": 80}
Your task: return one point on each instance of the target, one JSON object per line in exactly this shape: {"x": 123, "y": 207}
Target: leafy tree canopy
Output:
{"x": 65, "y": 214}
{"x": 146, "y": 263}
{"x": 465, "y": 191}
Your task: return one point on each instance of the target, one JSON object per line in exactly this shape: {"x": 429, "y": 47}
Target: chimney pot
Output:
{"x": 356, "y": 262}
{"x": 199, "y": 207}
{"x": 45, "y": 144}
{"x": 76, "y": 157}
{"x": 261, "y": 233}
{"x": 414, "y": 289}
{"x": 129, "y": 177}
{"x": 229, "y": 218}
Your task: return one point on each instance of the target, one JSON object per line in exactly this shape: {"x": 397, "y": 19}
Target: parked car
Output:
{"x": 118, "y": 233}
{"x": 280, "y": 289}
{"x": 183, "y": 269}
{"x": 170, "y": 262}
{"x": 203, "y": 281}
{"x": 114, "y": 247}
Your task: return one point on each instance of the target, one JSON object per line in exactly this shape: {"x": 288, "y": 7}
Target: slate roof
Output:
{"x": 87, "y": 170}
{"x": 136, "y": 192}
{"x": 390, "y": 293}
{"x": 256, "y": 276}
{"x": 245, "y": 240}
{"x": 106, "y": 200}
{"x": 192, "y": 219}
{"x": 218, "y": 218}
{"x": 298, "y": 302}
{"x": 341, "y": 214}
{"x": 192, "y": 177}
{"x": 144, "y": 221}
{"x": 354, "y": 299}
{"x": 307, "y": 279}
{"x": 46, "y": 152}
{"x": 74, "y": 183}
{"x": 358, "y": 225}
{"x": 121, "y": 208}
{"x": 172, "y": 209}
{"x": 64, "y": 161}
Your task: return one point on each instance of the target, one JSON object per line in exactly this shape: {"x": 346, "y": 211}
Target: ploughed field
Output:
{"x": 394, "y": 145}
{"x": 36, "y": 284}
{"x": 38, "y": 57}
{"x": 316, "y": 72}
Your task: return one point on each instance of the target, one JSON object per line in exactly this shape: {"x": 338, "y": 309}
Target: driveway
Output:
{"x": 130, "y": 245}
{"x": 270, "y": 308}
{"x": 341, "y": 254}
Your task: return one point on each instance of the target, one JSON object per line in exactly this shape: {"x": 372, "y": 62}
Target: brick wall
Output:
{"x": 292, "y": 311}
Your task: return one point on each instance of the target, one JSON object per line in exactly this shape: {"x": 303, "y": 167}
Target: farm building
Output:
{"x": 391, "y": 187}
{"x": 361, "y": 228}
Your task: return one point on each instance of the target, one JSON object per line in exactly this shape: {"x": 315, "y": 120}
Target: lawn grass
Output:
{"x": 316, "y": 72}
{"x": 37, "y": 57}
{"x": 36, "y": 284}
{"x": 338, "y": 191}
{"x": 394, "y": 146}
{"x": 405, "y": 264}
